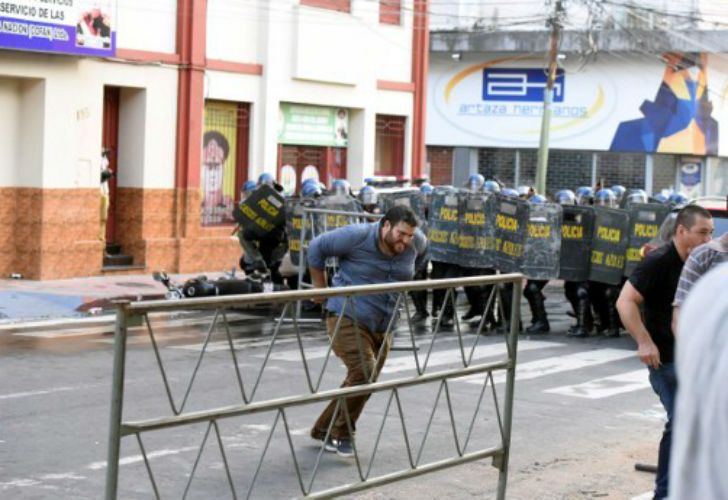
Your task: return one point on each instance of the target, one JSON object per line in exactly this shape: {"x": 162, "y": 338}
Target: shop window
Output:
{"x": 224, "y": 166}
{"x": 390, "y": 11}
{"x": 297, "y": 163}
{"x": 717, "y": 177}
{"x": 664, "y": 169}
{"x": 340, "y": 5}
{"x": 389, "y": 153}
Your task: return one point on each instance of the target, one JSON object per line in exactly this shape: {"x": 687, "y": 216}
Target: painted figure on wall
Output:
{"x": 679, "y": 119}
{"x": 215, "y": 150}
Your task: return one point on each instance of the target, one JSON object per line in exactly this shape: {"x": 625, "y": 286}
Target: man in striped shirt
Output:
{"x": 700, "y": 261}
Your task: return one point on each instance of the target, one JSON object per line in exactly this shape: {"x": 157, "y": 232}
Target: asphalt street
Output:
{"x": 584, "y": 414}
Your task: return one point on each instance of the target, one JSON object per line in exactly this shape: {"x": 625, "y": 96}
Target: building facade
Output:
{"x": 639, "y": 100}
{"x": 186, "y": 100}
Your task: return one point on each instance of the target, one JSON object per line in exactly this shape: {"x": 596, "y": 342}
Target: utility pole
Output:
{"x": 548, "y": 96}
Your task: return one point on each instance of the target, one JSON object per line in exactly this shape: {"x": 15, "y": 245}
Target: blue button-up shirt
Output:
{"x": 361, "y": 262}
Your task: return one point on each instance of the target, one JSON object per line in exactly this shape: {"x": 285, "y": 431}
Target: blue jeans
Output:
{"x": 664, "y": 383}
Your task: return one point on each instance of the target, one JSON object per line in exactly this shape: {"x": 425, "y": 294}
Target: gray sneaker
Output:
{"x": 344, "y": 448}
{"x": 330, "y": 445}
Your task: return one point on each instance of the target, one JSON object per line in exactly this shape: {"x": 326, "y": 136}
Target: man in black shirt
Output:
{"x": 652, "y": 285}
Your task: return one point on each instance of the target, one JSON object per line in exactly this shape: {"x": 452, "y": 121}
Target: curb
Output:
{"x": 93, "y": 313}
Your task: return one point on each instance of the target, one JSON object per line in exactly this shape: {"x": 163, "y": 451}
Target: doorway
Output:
{"x": 328, "y": 162}
{"x": 110, "y": 145}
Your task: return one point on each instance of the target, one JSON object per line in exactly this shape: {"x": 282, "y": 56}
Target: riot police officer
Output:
{"x": 603, "y": 296}
{"x": 419, "y": 298}
{"x": 577, "y": 292}
{"x": 311, "y": 190}
{"x": 369, "y": 200}
{"x": 619, "y": 192}
{"x": 266, "y": 178}
{"x": 476, "y": 295}
{"x": 475, "y": 183}
{"x": 533, "y": 292}
{"x": 341, "y": 187}
{"x": 584, "y": 196}
{"x": 491, "y": 186}
{"x": 444, "y": 270}
{"x": 263, "y": 254}
{"x": 633, "y": 196}
{"x": 247, "y": 188}
{"x": 677, "y": 200}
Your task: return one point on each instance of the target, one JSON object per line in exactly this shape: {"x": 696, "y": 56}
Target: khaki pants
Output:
{"x": 346, "y": 346}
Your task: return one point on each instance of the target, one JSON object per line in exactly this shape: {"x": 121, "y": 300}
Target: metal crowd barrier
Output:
{"x": 251, "y": 402}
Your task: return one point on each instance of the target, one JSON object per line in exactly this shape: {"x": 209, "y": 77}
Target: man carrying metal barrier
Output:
{"x": 379, "y": 252}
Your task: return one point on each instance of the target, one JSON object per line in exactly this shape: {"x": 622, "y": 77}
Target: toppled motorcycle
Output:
{"x": 201, "y": 286}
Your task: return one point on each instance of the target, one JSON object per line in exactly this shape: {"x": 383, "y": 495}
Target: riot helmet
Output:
{"x": 636, "y": 196}
{"x": 311, "y": 190}
{"x": 537, "y": 199}
{"x": 584, "y": 195}
{"x": 523, "y": 191}
{"x": 368, "y": 196}
{"x": 661, "y": 198}
{"x": 491, "y": 186}
{"x": 605, "y": 198}
{"x": 565, "y": 197}
{"x": 618, "y": 191}
{"x": 265, "y": 178}
{"x": 247, "y": 188}
{"x": 677, "y": 199}
{"x": 510, "y": 192}
{"x": 341, "y": 187}
{"x": 426, "y": 188}
{"x": 475, "y": 183}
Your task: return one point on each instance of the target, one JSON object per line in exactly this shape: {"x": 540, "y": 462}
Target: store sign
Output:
{"x": 628, "y": 104}
{"x": 313, "y": 125}
{"x": 81, "y": 27}
{"x": 520, "y": 85}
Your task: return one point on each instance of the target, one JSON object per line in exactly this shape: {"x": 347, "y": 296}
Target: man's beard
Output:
{"x": 392, "y": 245}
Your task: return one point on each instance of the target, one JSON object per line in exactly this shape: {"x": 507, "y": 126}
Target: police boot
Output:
{"x": 419, "y": 300}
{"x": 612, "y": 315}
{"x": 540, "y": 323}
{"x": 584, "y": 321}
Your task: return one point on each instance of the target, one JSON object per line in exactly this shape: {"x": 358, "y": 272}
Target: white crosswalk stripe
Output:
{"x": 453, "y": 356}
{"x": 606, "y": 386}
{"x": 557, "y": 364}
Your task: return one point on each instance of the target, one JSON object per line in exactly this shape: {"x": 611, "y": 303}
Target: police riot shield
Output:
{"x": 329, "y": 222}
{"x": 644, "y": 224}
{"x": 475, "y": 231}
{"x": 444, "y": 226}
{"x": 294, "y": 225}
{"x": 543, "y": 241}
{"x": 509, "y": 218}
{"x": 577, "y": 228}
{"x": 409, "y": 197}
{"x": 262, "y": 211}
{"x": 609, "y": 245}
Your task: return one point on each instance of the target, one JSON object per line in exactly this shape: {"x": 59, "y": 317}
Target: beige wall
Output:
{"x": 57, "y": 105}
{"x": 147, "y": 25}
{"x": 312, "y": 56}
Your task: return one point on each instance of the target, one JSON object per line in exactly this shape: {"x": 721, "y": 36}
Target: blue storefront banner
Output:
{"x": 520, "y": 84}
{"x": 80, "y": 27}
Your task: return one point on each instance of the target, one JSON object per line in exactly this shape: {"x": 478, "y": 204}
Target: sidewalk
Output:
{"x": 23, "y": 301}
